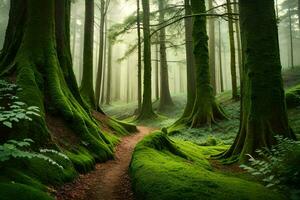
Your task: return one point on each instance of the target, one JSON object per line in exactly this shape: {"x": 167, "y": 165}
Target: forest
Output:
{"x": 149, "y": 99}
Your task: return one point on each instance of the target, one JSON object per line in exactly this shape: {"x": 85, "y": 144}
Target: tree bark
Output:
{"x": 101, "y": 49}
{"x": 232, "y": 52}
{"x": 87, "y": 88}
{"x": 147, "y": 110}
{"x": 157, "y": 69}
{"x": 212, "y": 53}
{"x": 139, "y": 83}
{"x": 43, "y": 69}
{"x": 220, "y": 58}
{"x": 263, "y": 109}
{"x": 109, "y": 68}
{"x": 165, "y": 100}
{"x": 190, "y": 61}
{"x": 205, "y": 111}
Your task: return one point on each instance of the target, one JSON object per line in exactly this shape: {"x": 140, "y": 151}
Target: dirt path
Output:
{"x": 110, "y": 180}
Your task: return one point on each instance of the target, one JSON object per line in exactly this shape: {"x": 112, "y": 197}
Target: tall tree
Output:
{"x": 87, "y": 88}
{"x": 157, "y": 69}
{"x": 291, "y": 36}
{"x": 205, "y": 111}
{"x": 232, "y": 51}
{"x": 238, "y": 38}
{"x": 146, "y": 110}
{"x": 103, "y": 11}
{"x": 41, "y": 65}
{"x": 263, "y": 109}
{"x": 220, "y": 58}
{"x": 190, "y": 62}
{"x": 165, "y": 100}
{"x": 138, "y": 21}
{"x": 109, "y": 69}
{"x": 212, "y": 52}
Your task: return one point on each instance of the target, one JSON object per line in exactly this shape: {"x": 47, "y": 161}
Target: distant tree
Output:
{"x": 263, "y": 109}
{"x": 139, "y": 83}
{"x": 86, "y": 87}
{"x": 211, "y": 42}
{"x": 146, "y": 110}
{"x": 165, "y": 100}
{"x": 232, "y": 51}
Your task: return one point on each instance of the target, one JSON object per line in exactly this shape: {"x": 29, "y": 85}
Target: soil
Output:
{"x": 110, "y": 180}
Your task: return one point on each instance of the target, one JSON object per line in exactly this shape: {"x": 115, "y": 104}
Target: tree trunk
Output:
{"x": 263, "y": 110}
{"x": 138, "y": 21}
{"x": 147, "y": 110}
{"x": 220, "y": 58}
{"x": 165, "y": 96}
{"x": 104, "y": 77}
{"x": 101, "y": 49}
{"x": 232, "y": 52}
{"x": 238, "y": 38}
{"x": 157, "y": 70}
{"x": 42, "y": 67}
{"x": 190, "y": 61}
{"x": 206, "y": 111}
{"x": 87, "y": 88}
{"x": 109, "y": 66}
{"x": 212, "y": 53}
{"x": 299, "y": 13}
{"x": 291, "y": 37}
{"x": 80, "y": 58}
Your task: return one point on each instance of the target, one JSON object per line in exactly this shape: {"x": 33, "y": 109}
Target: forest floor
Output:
{"x": 109, "y": 180}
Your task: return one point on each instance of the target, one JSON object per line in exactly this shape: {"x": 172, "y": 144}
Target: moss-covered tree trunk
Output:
{"x": 165, "y": 100}
{"x": 38, "y": 59}
{"x": 205, "y": 110}
{"x": 232, "y": 51}
{"x": 146, "y": 110}
{"x": 87, "y": 88}
{"x": 212, "y": 44}
{"x": 190, "y": 62}
{"x": 263, "y": 110}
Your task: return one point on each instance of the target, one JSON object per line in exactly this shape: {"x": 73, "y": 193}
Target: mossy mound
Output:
{"x": 293, "y": 96}
{"x": 164, "y": 169}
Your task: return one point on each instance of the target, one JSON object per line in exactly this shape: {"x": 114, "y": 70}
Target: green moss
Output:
{"x": 13, "y": 191}
{"x": 158, "y": 173}
{"x": 292, "y": 96}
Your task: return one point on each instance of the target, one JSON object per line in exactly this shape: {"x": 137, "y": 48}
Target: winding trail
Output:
{"x": 109, "y": 180}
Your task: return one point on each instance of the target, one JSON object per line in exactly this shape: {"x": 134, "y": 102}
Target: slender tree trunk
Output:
{"x": 104, "y": 77}
{"x": 165, "y": 96}
{"x": 206, "y": 111}
{"x": 139, "y": 83}
{"x": 147, "y": 110}
{"x": 232, "y": 52}
{"x": 157, "y": 70}
{"x": 74, "y": 37}
{"x": 238, "y": 38}
{"x": 291, "y": 38}
{"x": 128, "y": 81}
{"x": 190, "y": 61}
{"x": 212, "y": 53}
{"x": 80, "y": 62}
{"x": 101, "y": 49}
{"x": 263, "y": 101}
{"x": 220, "y": 58}
{"x": 43, "y": 69}
{"x": 109, "y": 68}
{"x": 86, "y": 88}
{"x": 299, "y": 13}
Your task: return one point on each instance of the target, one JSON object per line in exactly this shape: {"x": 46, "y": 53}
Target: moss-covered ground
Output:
{"x": 177, "y": 165}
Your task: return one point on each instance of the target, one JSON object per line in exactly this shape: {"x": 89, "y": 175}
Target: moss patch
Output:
{"x": 159, "y": 173}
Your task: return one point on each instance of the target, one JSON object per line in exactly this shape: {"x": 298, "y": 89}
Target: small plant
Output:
{"x": 20, "y": 149}
{"x": 278, "y": 166}
{"x": 11, "y": 109}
